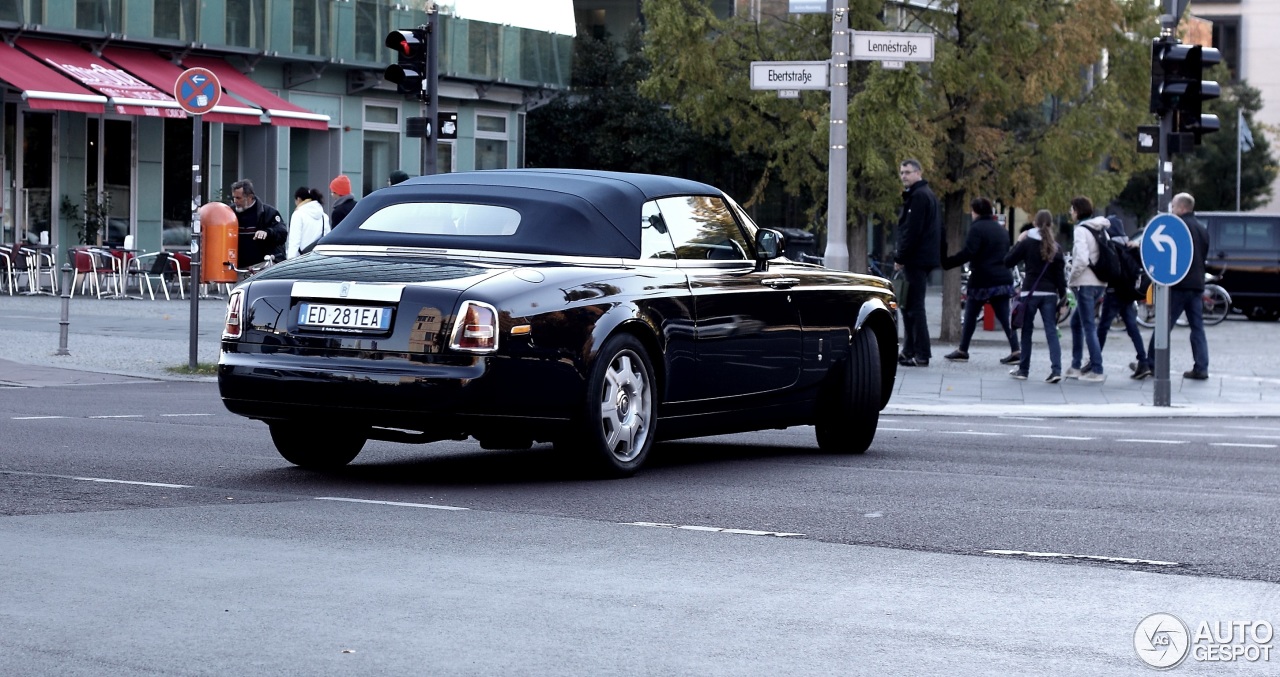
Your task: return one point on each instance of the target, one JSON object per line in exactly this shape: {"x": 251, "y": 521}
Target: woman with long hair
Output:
{"x": 1044, "y": 281}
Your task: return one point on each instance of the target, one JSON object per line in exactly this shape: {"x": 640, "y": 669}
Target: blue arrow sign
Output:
{"x": 1167, "y": 249}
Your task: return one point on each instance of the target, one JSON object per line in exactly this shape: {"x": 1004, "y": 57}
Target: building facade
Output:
{"x": 91, "y": 123}
{"x": 1244, "y": 32}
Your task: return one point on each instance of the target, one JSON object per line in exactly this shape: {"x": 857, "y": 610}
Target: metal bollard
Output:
{"x": 65, "y": 322}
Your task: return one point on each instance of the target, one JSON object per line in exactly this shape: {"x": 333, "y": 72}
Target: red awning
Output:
{"x": 43, "y": 88}
{"x": 163, "y": 75}
{"x": 127, "y": 94}
{"x": 242, "y": 87}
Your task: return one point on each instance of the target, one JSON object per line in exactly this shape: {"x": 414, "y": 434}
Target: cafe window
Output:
{"x": 382, "y": 136}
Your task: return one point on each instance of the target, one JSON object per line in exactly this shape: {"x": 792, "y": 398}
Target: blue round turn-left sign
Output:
{"x": 1167, "y": 249}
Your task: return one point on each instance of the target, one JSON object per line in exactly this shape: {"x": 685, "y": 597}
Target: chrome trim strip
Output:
{"x": 354, "y": 291}
{"x": 506, "y": 258}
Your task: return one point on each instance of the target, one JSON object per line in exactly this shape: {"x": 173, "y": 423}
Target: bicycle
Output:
{"x": 1216, "y": 302}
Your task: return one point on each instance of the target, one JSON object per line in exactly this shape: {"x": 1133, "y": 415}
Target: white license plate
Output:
{"x": 343, "y": 317}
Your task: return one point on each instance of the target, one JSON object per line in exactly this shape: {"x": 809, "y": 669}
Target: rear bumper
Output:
{"x": 460, "y": 397}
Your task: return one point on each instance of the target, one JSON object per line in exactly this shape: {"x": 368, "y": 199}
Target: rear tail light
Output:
{"x": 476, "y": 330}
{"x": 235, "y": 316}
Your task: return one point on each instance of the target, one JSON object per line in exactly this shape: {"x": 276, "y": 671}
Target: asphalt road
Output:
{"x": 147, "y": 531}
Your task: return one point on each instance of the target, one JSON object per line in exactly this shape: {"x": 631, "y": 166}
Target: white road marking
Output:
{"x": 976, "y": 432}
{"x": 1098, "y": 558}
{"x": 119, "y": 416}
{"x": 900, "y": 430}
{"x": 688, "y": 527}
{"x": 1059, "y": 437}
{"x": 144, "y": 484}
{"x": 1027, "y": 427}
{"x": 1176, "y": 432}
{"x": 1154, "y": 441}
{"x": 1250, "y": 427}
{"x": 172, "y": 415}
{"x": 1242, "y": 444}
{"x": 35, "y": 418}
{"x": 395, "y": 503}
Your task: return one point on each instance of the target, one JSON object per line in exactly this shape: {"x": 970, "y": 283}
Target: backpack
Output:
{"x": 1129, "y": 286}
{"x": 1107, "y": 267}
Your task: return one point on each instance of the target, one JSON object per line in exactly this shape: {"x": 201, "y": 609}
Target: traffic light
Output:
{"x": 410, "y": 70}
{"x": 1177, "y": 87}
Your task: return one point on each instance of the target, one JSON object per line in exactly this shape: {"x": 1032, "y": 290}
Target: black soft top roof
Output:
{"x": 562, "y": 211}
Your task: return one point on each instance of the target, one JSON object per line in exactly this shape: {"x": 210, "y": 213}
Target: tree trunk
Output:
{"x": 954, "y": 208}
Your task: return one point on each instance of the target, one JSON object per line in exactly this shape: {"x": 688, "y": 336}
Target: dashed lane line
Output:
{"x": 394, "y": 503}
{"x": 117, "y": 416}
{"x": 977, "y": 432}
{"x": 1060, "y": 437}
{"x": 1153, "y": 441}
{"x": 1093, "y": 558}
{"x": 36, "y": 418}
{"x": 722, "y": 530}
{"x": 1242, "y": 444}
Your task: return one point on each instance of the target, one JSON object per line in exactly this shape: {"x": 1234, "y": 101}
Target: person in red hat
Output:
{"x": 343, "y": 202}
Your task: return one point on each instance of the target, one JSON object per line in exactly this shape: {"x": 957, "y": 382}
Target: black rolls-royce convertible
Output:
{"x": 598, "y": 311}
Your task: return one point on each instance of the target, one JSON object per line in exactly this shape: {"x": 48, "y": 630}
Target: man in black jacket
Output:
{"x": 990, "y": 280}
{"x": 919, "y": 252}
{"x": 262, "y": 230}
{"x": 1187, "y": 296}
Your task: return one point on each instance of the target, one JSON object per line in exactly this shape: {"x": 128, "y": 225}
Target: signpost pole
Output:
{"x": 1164, "y": 196}
{"x": 197, "y": 148}
{"x": 836, "y": 255}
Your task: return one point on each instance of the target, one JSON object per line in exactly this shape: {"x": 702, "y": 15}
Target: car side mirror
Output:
{"x": 768, "y": 247}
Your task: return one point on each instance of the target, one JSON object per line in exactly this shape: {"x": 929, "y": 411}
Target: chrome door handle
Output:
{"x": 780, "y": 282}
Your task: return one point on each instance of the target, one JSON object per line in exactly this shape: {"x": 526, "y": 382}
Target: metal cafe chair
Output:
{"x": 8, "y": 271}
{"x": 159, "y": 267}
{"x": 88, "y": 270}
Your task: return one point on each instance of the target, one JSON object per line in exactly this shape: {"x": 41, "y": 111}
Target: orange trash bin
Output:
{"x": 220, "y": 243}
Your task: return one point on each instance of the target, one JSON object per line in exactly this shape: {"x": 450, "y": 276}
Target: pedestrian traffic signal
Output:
{"x": 410, "y": 70}
{"x": 1177, "y": 86}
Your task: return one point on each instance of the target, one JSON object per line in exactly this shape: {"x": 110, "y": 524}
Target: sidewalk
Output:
{"x": 115, "y": 340}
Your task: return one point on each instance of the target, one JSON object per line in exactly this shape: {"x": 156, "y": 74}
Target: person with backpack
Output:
{"x": 1122, "y": 293}
{"x": 1084, "y": 280}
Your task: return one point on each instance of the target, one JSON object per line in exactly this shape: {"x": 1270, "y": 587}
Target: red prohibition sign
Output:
{"x": 197, "y": 90}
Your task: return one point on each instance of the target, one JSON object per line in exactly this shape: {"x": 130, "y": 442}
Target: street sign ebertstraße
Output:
{"x": 884, "y": 46}
{"x": 790, "y": 75}
{"x": 809, "y": 6}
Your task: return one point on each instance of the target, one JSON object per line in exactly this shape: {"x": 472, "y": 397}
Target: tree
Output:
{"x": 604, "y": 123}
{"x": 1209, "y": 173}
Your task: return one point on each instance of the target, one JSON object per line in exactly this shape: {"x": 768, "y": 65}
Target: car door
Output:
{"x": 747, "y": 330}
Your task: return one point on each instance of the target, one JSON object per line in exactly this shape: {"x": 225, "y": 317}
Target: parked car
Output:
{"x": 1244, "y": 250}
{"x": 598, "y": 311}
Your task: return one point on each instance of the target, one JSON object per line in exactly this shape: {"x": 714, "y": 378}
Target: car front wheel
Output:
{"x": 315, "y": 447}
{"x": 616, "y": 429}
{"x": 850, "y": 407}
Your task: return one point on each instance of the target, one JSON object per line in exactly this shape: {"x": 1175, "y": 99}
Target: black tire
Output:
{"x": 314, "y": 447}
{"x": 616, "y": 428}
{"x": 849, "y": 410}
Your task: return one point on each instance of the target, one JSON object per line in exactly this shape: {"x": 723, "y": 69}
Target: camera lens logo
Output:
{"x": 1162, "y": 641}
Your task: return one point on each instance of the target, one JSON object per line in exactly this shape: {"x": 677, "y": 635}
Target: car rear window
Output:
{"x": 444, "y": 218}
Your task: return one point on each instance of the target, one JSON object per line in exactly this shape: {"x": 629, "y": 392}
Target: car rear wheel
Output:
{"x": 315, "y": 447}
{"x": 850, "y": 407}
{"x": 616, "y": 429}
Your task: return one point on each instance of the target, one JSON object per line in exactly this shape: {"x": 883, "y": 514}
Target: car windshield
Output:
{"x": 444, "y": 218}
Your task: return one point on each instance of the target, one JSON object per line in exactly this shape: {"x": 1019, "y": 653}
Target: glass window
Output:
{"x": 311, "y": 21}
{"x": 444, "y": 157}
{"x": 381, "y": 156}
{"x": 381, "y": 115}
{"x": 702, "y": 228}
{"x": 444, "y": 218}
{"x": 373, "y": 22}
{"x": 246, "y": 23}
{"x": 22, "y": 11}
{"x": 491, "y": 141}
{"x": 491, "y": 123}
{"x": 176, "y": 19}
{"x": 100, "y": 15}
{"x": 655, "y": 243}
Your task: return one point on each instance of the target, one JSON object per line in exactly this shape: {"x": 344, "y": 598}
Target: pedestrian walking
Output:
{"x": 1120, "y": 297}
{"x": 1044, "y": 282}
{"x": 343, "y": 202}
{"x": 919, "y": 251}
{"x": 1187, "y": 296}
{"x": 397, "y": 176}
{"x": 308, "y": 224}
{"x": 262, "y": 230}
{"x": 990, "y": 281}
{"x": 1088, "y": 290}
